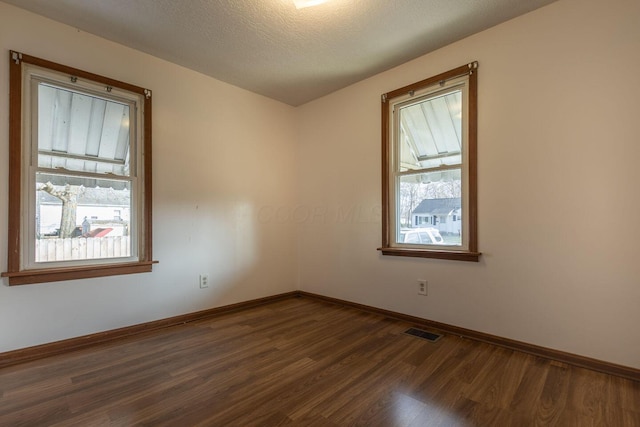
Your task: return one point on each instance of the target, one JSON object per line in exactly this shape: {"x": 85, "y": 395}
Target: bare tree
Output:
{"x": 69, "y": 197}
{"x": 409, "y": 199}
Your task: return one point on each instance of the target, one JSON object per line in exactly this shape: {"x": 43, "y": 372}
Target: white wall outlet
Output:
{"x": 204, "y": 280}
{"x": 422, "y": 287}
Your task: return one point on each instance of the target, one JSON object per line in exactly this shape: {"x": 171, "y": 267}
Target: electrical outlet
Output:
{"x": 422, "y": 287}
{"x": 204, "y": 280}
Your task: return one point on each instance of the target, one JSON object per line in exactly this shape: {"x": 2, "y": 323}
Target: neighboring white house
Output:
{"x": 443, "y": 214}
{"x": 104, "y": 208}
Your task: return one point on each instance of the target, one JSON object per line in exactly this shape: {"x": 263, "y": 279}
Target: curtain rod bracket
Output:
{"x": 16, "y": 57}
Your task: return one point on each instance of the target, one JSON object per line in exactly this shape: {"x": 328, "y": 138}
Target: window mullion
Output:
{"x": 80, "y": 174}
{"x": 427, "y": 170}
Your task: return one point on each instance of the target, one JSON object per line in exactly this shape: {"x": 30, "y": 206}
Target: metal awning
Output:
{"x": 431, "y": 132}
{"x": 80, "y": 132}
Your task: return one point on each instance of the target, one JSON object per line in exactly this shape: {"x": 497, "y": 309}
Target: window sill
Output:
{"x": 27, "y": 277}
{"x": 440, "y": 254}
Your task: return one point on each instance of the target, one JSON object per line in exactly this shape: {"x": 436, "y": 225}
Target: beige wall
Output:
{"x": 221, "y": 154}
{"x": 558, "y": 177}
{"x": 266, "y": 198}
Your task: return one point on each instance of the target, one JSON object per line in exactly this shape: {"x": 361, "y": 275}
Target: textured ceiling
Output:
{"x": 272, "y": 48}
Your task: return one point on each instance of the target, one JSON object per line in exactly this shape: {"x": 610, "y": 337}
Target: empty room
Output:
{"x": 319, "y": 213}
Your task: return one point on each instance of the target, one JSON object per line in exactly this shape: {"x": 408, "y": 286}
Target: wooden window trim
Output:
{"x": 15, "y": 275}
{"x": 43, "y": 275}
{"x": 472, "y": 253}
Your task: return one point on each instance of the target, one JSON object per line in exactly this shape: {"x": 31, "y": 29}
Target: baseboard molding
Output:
{"x": 560, "y": 356}
{"x": 59, "y": 347}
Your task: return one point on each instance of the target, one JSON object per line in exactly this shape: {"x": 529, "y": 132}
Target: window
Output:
{"x": 79, "y": 173}
{"x": 429, "y": 167}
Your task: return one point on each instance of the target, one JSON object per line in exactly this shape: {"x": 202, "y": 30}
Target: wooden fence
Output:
{"x": 82, "y": 248}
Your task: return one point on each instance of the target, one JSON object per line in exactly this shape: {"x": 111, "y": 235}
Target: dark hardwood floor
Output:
{"x": 303, "y": 362}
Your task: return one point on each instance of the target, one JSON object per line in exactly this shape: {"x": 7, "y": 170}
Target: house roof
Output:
{"x": 437, "y": 206}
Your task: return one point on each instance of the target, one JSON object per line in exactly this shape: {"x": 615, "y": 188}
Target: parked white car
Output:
{"x": 421, "y": 236}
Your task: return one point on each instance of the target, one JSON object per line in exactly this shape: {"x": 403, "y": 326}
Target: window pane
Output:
{"x": 427, "y": 205}
{"x": 75, "y": 219}
{"x": 80, "y": 132}
{"x": 431, "y": 132}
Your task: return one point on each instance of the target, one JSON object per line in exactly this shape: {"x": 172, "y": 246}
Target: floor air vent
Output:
{"x": 429, "y": 336}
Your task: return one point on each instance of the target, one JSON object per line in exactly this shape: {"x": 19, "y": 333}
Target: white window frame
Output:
{"x": 32, "y": 77}
{"x": 409, "y": 99}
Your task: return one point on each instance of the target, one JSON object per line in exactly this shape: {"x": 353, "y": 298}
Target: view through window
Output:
{"x": 79, "y": 173}
{"x": 81, "y": 138}
{"x": 430, "y": 139}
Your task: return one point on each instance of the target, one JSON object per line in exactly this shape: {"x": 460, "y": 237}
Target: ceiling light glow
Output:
{"x": 306, "y": 3}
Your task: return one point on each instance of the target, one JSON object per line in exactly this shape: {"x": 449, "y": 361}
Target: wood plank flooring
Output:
{"x": 303, "y": 362}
